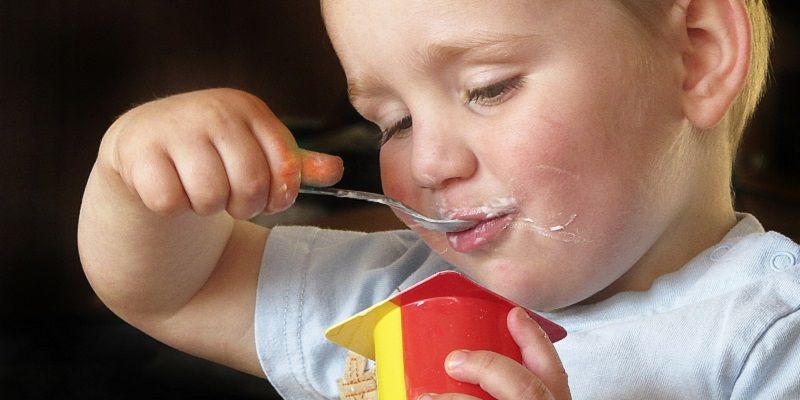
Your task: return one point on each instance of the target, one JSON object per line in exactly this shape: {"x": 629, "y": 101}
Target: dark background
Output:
{"x": 67, "y": 68}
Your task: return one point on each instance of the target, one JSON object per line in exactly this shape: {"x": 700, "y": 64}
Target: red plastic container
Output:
{"x": 416, "y": 329}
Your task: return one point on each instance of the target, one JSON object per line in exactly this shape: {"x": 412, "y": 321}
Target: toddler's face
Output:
{"x": 538, "y": 117}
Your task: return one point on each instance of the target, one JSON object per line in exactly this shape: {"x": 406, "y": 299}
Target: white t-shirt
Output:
{"x": 724, "y": 326}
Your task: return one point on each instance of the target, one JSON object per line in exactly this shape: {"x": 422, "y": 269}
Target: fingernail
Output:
{"x": 524, "y": 313}
{"x": 290, "y": 199}
{"x": 426, "y": 396}
{"x": 255, "y": 214}
{"x": 455, "y": 359}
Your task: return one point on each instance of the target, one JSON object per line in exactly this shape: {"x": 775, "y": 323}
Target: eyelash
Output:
{"x": 494, "y": 94}
{"x": 402, "y": 124}
{"x": 490, "y": 95}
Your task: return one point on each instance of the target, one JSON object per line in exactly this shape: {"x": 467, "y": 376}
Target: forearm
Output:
{"x": 140, "y": 262}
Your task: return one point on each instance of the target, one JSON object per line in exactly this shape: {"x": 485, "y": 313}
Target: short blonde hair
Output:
{"x": 743, "y": 108}
{"x": 745, "y": 105}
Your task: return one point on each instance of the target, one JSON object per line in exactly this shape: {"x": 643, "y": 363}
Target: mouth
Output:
{"x": 489, "y": 227}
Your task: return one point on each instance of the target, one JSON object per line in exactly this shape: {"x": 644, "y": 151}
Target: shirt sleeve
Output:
{"x": 311, "y": 279}
{"x": 772, "y": 369}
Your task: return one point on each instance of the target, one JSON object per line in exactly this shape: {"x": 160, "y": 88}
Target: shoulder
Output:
{"x": 759, "y": 277}
{"x": 766, "y": 299}
{"x": 763, "y": 261}
{"x": 773, "y": 358}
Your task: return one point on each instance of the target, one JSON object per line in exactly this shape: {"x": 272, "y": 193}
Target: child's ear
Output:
{"x": 716, "y": 58}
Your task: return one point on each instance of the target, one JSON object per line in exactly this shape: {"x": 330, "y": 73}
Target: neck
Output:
{"x": 683, "y": 240}
{"x": 702, "y": 222}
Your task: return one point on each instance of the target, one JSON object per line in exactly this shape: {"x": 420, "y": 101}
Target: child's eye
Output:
{"x": 397, "y": 127}
{"x": 495, "y": 93}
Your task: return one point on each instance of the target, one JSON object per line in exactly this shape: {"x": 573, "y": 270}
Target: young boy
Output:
{"x": 592, "y": 140}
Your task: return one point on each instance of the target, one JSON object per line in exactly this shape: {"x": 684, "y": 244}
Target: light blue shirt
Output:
{"x": 724, "y": 326}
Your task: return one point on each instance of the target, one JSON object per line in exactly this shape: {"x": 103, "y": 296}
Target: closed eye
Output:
{"x": 399, "y": 126}
{"x": 490, "y": 95}
{"x": 495, "y": 93}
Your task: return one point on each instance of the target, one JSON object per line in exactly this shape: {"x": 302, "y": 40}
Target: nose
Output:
{"x": 440, "y": 153}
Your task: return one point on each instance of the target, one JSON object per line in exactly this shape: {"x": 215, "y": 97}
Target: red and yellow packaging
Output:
{"x": 410, "y": 334}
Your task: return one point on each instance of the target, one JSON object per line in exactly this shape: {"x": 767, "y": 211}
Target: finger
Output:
{"x": 247, "y": 172}
{"x": 282, "y": 154}
{"x": 538, "y": 353}
{"x": 320, "y": 169}
{"x": 202, "y": 175}
{"x": 498, "y": 375}
{"x": 154, "y": 179}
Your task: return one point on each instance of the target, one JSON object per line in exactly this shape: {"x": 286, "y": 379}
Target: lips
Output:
{"x": 487, "y": 229}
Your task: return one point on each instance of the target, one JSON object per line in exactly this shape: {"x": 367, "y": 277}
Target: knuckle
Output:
{"x": 251, "y": 101}
{"x": 216, "y": 112}
{"x": 254, "y": 188}
{"x": 238, "y": 98}
{"x": 166, "y": 203}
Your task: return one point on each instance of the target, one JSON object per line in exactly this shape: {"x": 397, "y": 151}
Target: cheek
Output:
{"x": 543, "y": 163}
{"x": 395, "y": 176}
{"x": 566, "y": 169}
{"x": 396, "y": 181}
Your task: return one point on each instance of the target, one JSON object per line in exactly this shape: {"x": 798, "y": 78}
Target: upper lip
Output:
{"x": 478, "y": 216}
{"x": 488, "y": 208}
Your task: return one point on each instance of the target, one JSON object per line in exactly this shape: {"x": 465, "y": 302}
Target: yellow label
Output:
{"x": 389, "y": 356}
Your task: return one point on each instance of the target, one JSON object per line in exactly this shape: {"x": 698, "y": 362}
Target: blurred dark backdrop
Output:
{"x": 67, "y": 68}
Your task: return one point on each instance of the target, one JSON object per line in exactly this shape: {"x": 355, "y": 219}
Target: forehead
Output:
{"x": 369, "y": 25}
{"x": 381, "y": 24}
{"x": 376, "y": 39}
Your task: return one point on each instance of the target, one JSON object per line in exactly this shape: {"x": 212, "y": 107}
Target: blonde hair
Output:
{"x": 743, "y": 108}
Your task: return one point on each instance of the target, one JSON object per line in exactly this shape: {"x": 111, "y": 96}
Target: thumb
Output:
{"x": 320, "y": 169}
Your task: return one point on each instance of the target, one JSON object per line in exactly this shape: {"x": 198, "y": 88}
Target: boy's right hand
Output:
{"x": 212, "y": 150}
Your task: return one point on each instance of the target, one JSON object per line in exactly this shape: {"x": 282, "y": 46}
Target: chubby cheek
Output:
{"x": 395, "y": 179}
{"x": 578, "y": 202}
{"x": 581, "y": 157}
{"x": 547, "y": 166}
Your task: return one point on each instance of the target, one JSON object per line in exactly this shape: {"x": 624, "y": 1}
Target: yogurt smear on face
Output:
{"x": 495, "y": 207}
{"x": 496, "y": 216}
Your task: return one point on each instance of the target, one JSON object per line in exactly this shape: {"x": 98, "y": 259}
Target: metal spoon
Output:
{"x": 440, "y": 225}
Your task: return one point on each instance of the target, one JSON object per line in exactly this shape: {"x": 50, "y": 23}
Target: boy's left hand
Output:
{"x": 541, "y": 376}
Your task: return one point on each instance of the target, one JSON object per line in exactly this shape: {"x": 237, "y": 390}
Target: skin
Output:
{"x": 614, "y": 135}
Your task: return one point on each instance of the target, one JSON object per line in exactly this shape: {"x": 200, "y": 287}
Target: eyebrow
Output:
{"x": 436, "y": 51}
{"x": 481, "y": 43}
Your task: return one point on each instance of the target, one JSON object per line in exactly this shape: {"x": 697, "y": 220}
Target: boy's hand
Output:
{"x": 212, "y": 150}
{"x": 541, "y": 377}
{"x": 190, "y": 280}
